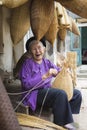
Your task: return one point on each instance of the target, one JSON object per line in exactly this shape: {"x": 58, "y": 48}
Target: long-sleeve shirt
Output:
{"x": 31, "y": 77}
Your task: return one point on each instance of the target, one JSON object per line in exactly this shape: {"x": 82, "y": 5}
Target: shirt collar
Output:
{"x": 35, "y": 66}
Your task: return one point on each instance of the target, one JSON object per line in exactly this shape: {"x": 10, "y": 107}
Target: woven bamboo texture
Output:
{"x": 41, "y": 16}
{"x": 20, "y": 22}
{"x": 62, "y": 33}
{"x": 74, "y": 27}
{"x": 8, "y": 119}
{"x": 63, "y": 81}
{"x": 35, "y": 122}
{"x": 53, "y": 29}
{"x": 78, "y": 7}
{"x": 13, "y": 3}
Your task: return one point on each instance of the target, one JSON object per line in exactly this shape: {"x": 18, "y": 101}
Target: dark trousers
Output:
{"x": 62, "y": 108}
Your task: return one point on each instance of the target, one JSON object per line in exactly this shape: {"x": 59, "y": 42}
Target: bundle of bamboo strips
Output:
{"x": 35, "y": 122}
{"x": 72, "y": 64}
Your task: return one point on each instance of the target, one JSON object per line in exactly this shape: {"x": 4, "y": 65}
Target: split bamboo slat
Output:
{"x": 20, "y": 22}
{"x": 53, "y": 29}
{"x": 78, "y": 7}
{"x": 13, "y": 3}
{"x": 35, "y": 122}
{"x": 60, "y": 82}
{"x": 41, "y": 16}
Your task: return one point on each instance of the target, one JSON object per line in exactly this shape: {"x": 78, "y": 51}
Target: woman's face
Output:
{"x": 37, "y": 50}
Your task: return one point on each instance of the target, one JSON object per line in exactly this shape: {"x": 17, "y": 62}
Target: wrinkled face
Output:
{"x": 37, "y": 50}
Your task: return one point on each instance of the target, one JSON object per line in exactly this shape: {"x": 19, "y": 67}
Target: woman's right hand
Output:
{"x": 51, "y": 72}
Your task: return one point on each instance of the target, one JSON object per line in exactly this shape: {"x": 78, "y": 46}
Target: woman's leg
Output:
{"x": 75, "y": 102}
{"x": 58, "y": 101}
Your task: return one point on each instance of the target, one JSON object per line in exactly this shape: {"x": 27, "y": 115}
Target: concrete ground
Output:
{"x": 81, "y": 119}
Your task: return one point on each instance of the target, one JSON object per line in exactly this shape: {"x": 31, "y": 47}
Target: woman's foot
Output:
{"x": 70, "y": 126}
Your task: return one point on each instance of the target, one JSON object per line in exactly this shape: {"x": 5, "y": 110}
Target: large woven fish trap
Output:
{"x": 41, "y": 16}
{"x": 64, "y": 82}
{"x": 74, "y": 28}
{"x": 20, "y": 22}
{"x": 13, "y": 3}
{"x": 53, "y": 29}
{"x": 79, "y": 7}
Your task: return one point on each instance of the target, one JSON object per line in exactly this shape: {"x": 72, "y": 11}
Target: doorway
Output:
{"x": 84, "y": 44}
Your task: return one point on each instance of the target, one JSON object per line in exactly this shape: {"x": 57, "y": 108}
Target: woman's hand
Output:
{"x": 51, "y": 72}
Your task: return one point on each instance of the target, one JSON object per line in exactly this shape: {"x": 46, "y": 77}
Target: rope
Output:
{"x": 43, "y": 103}
{"x": 29, "y": 91}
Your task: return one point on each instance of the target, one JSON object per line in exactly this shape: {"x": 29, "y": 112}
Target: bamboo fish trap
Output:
{"x": 77, "y": 7}
{"x": 63, "y": 81}
{"x": 41, "y": 16}
{"x": 13, "y": 3}
{"x": 53, "y": 29}
{"x": 74, "y": 27}
{"x": 20, "y": 22}
{"x": 35, "y": 122}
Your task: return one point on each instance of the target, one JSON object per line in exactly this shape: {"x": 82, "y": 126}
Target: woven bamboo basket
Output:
{"x": 74, "y": 26}
{"x": 62, "y": 33}
{"x": 63, "y": 81}
{"x": 13, "y": 3}
{"x": 35, "y": 122}
{"x": 20, "y": 22}
{"x": 41, "y": 16}
{"x": 79, "y": 7}
{"x": 53, "y": 29}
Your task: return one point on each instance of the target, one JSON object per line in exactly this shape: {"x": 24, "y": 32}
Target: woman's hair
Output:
{"x": 32, "y": 39}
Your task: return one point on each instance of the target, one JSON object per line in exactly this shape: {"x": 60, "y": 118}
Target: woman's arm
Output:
{"x": 26, "y": 77}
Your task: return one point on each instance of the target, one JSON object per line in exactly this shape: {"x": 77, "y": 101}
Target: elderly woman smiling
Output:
{"x": 36, "y": 74}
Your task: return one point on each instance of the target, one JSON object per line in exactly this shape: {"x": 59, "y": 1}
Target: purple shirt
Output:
{"x": 31, "y": 77}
